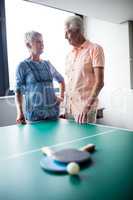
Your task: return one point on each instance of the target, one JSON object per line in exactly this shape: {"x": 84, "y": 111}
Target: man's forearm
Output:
{"x": 95, "y": 92}
{"x": 62, "y": 89}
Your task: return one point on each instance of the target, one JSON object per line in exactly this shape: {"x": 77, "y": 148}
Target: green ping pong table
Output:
{"x": 109, "y": 177}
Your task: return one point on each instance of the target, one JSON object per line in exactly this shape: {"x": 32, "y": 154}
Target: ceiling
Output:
{"x": 116, "y": 11}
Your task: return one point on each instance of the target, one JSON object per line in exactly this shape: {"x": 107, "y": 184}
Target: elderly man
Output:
{"x": 84, "y": 72}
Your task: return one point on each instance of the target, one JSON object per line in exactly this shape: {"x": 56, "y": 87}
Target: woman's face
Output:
{"x": 37, "y": 45}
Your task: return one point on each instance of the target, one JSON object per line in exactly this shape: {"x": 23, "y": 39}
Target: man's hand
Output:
{"x": 20, "y": 119}
{"x": 81, "y": 118}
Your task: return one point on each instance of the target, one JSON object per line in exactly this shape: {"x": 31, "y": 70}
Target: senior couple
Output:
{"x": 84, "y": 71}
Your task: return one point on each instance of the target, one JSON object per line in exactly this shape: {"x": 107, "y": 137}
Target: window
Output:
{"x": 22, "y": 16}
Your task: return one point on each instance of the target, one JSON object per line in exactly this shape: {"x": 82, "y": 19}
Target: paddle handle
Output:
{"x": 47, "y": 151}
{"x": 88, "y": 148}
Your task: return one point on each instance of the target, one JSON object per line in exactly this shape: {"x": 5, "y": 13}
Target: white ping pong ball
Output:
{"x": 73, "y": 168}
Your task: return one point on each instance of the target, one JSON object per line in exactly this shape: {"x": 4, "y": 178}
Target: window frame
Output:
{"x": 4, "y": 75}
{"x": 130, "y": 29}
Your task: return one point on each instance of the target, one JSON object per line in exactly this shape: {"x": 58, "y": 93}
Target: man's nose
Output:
{"x": 66, "y": 36}
{"x": 42, "y": 45}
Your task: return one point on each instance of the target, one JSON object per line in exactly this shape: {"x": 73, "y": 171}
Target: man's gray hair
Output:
{"x": 31, "y": 35}
{"x": 75, "y": 22}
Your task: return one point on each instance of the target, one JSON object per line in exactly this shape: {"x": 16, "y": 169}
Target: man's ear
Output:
{"x": 28, "y": 45}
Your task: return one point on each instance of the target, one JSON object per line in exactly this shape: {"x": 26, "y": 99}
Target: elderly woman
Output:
{"x": 84, "y": 71}
{"x": 34, "y": 80}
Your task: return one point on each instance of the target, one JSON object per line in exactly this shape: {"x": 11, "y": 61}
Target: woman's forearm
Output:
{"x": 19, "y": 102}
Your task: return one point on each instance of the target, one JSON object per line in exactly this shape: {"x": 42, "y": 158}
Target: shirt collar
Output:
{"x": 82, "y": 46}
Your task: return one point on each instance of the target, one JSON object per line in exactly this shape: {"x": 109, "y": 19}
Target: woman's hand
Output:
{"x": 20, "y": 119}
{"x": 60, "y": 99}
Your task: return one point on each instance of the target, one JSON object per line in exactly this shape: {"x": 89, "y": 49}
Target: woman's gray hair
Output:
{"x": 75, "y": 22}
{"x": 30, "y": 36}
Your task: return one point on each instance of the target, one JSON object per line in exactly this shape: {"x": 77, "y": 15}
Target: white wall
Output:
{"x": 116, "y": 96}
{"x": 7, "y": 111}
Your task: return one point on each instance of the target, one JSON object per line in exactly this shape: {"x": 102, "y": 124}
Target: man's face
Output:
{"x": 72, "y": 35}
{"x": 37, "y": 45}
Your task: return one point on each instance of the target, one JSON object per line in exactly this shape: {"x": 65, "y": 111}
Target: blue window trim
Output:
{"x": 4, "y": 76}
